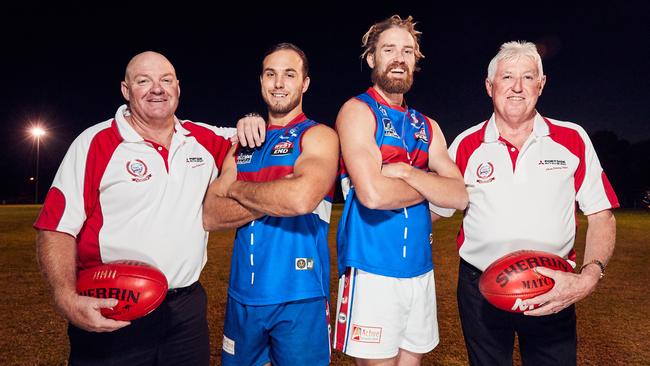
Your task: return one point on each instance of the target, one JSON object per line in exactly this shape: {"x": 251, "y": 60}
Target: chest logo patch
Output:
{"x": 138, "y": 169}
{"x": 304, "y": 264}
{"x": 553, "y": 164}
{"x": 389, "y": 130}
{"x": 289, "y": 134}
{"x": 244, "y": 157}
{"x": 421, "y": 135}
{"x": 415, "y": 122}
{"x": 485, "y": 172}
{"x": 282, "y": 148}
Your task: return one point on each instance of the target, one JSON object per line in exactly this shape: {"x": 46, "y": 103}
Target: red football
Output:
{"x": 139, "y": 287}
{"x": 511, "y": 279}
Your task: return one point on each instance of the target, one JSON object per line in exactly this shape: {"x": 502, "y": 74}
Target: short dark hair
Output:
{"x": 292, "y": 47}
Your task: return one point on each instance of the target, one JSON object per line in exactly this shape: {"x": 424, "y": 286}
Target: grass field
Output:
{"x": 613, "y": 323}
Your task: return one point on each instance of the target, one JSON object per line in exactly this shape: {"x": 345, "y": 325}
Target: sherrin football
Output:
{"x": 510, "y": 280}
{"x": 139, "y": 287}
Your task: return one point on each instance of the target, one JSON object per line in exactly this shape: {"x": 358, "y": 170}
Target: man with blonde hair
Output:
{"x": 394, "y": 163}
{"x": 524, "y": 174}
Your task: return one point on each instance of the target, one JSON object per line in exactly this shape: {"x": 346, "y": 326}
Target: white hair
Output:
{"x": 515, "y": 49}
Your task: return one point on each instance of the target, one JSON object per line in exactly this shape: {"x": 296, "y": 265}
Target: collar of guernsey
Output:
{"x": 394, "y": 243}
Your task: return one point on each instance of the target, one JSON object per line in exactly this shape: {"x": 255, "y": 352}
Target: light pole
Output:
{"x": 37, "y": 132}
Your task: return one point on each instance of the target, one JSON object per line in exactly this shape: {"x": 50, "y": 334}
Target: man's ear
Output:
{"x": 124, "y": 87}
{"x": 370, "y": 59}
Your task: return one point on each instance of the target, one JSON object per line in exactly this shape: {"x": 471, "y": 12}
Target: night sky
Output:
{"x": 62, "y": 65}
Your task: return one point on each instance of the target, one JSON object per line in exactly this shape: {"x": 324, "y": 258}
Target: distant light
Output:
{"x": 31, "y": 179}
{"x": 37, "y": 132}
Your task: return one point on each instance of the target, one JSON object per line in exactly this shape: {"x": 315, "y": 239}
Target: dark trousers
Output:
{"x": 490, "y": 332}
{"x": 176, "y": 333}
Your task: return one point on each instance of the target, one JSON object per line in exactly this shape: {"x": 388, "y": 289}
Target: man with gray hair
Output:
{"x": 524, "y": 173}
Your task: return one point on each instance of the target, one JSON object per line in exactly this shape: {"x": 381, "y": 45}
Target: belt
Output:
{"x": 182, "y": 290}
{"x": 466, "y": 264}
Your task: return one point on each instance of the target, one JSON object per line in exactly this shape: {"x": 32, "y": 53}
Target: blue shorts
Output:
{"x": 291, "y": 333}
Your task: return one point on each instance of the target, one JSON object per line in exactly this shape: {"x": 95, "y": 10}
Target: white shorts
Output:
{"x": 378, "y": 315}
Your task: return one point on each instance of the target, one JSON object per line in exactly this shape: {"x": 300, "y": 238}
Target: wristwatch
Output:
{"x": 598, "y": 263}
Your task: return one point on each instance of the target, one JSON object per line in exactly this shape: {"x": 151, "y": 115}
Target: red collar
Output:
{"x": 376, "y": 96}
{"x": 299, "y": 118}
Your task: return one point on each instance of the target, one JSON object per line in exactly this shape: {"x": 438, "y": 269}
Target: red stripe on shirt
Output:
{"x": 467, "y": 146}
{"x": 52, "y": 210}
{"x": 216, "y": 145}
{"x": 102, "y": 147}
{"x": 265, "y": 174}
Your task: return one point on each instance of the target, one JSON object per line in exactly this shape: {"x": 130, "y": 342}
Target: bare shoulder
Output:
{"x": 321, "y": 133}
{"x": 354, "y": 108}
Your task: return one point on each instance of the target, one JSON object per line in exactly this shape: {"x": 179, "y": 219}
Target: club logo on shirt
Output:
{"x": 366, "y": 334}
{"x": 138, "y": 169}
{"x": 389, "y": 130}
{"x": 282, "y": 148}
{"x": 415, "y": 121}
{"x": 245, "y": 156}
{"x": 304, "y": 264}
{"x": 289, "y": 134}
{"x": 421, "y": 135}
{"x": 484, "y": 172}
{"x": 553, "y": 164}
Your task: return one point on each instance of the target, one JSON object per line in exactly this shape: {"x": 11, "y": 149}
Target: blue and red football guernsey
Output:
{"x": 280, "y": 259}
{"x": 393, "y": 243}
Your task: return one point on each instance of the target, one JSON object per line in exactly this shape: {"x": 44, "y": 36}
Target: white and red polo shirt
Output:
{"x": 123, "y": 197}
{"x": 526, "y": 199}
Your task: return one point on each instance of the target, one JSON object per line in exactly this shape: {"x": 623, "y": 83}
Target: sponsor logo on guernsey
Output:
{"x": 244, "y": 157}
{"x": 195, "y": 161}
{"x": 282, "y": 148}
{"x": 304, "y": 264}
{"x": 553, "y": 164}
{"x": 485, "y": 172}
{"x": 228, "y": 345}
{"x": 421, "y": 135}
{"x": 138, "y": 169}
{"x": 382, "y": 110}
{"x": 389, "y": 130}
{"x": 366, "y": 334}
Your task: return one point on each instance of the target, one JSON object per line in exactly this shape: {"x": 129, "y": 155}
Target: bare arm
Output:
{"x": 570, "y": 288}
{"x": 445, "y": 186}
{"x": 299, "y": 193}
{"x": 356, "y": 127}
{"x": 56, "y": 253}
{"x": 219, "y": 211}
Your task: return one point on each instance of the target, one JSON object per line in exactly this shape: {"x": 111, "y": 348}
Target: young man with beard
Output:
{"x": 279, "y": 196}
{"x": 394, "y": 164}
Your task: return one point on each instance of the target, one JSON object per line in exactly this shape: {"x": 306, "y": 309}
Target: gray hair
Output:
{"x": 515, "y": 49}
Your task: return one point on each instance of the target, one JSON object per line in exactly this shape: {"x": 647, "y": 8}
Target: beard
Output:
{"x": 282, "y": 108}
{"x": 390, "y": 85}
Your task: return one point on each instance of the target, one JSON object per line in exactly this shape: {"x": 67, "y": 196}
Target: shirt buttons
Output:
{"x": 160, "y": 148}
{"x": 511, "y": 149}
